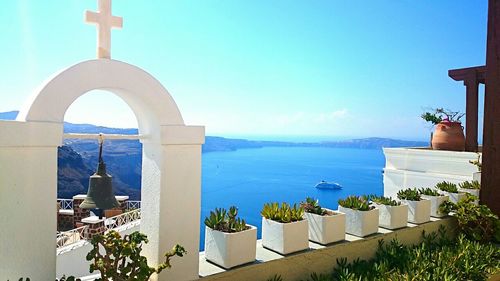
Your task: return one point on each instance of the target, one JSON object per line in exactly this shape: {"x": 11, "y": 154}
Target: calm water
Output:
{"x": 248, "y": 178}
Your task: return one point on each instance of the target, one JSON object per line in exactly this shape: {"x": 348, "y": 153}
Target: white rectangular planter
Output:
{"x": 476, "y": 176}
{"x": 454, "y": 197}
{"x": 230, "y": 249}
{"x": 392, "y": 217}
{"x": 436, "y": 201}
{"x": 285, "y": 238}
{"x": 418, "y": 211}
{"x": 326, "y": 229}
{"x": 360, "y": 223}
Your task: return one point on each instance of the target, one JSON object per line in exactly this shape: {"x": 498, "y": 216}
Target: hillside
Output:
{"x": 77, "y": 159}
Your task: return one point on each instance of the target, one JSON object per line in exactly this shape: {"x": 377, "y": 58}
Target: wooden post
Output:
{"x": 490, "y": 180}
{"x": 471, "y": 113}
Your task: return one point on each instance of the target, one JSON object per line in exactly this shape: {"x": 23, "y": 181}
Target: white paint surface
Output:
{"x": 418, "y": 211}
{"x": 230, "y": 249}
{"x": 326, "y": 229}
{"x": 285, "y": 238}
{"x": 392, "y": 217}
{"x": 360, "y": 223}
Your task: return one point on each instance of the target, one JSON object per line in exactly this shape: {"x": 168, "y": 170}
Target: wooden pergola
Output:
{"x": 490, "y": 76}
{"x": 472, "y": 77}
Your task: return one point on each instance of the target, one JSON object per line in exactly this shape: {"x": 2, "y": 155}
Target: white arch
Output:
{"x": 171, "y": 169}
{"x": 148, "y": 99}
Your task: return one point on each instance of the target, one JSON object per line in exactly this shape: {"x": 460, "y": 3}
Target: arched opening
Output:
{"x": 171, "y": 168}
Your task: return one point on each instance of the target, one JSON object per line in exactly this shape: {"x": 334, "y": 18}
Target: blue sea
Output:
{"x": 249, "y": 178}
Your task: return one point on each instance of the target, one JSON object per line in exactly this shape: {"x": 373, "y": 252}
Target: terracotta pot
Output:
{"x": 449, "y": 136}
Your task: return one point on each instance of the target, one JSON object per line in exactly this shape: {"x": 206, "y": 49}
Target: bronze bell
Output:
{"x": 100, "y": 194}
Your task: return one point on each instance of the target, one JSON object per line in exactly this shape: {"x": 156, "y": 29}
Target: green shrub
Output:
{"x": 284, "y": 213}
{"x": 381, "y": 200}
{"x": 436, "y": 258}
{"x": 225, "y": 221}
{"x": 359, "y": 203}
{"x": 447, "y": 186}
{"x": 470, "y": 185}
{"x": 311, "y": 205}
{"x": 477, "y": 222}
{"x": 122, "y": 258}
{"x": 429, "y": 192}
{"x": 410, "y": 194}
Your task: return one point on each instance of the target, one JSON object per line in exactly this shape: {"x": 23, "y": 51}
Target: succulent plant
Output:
{"x": 359, "y": 203}
{"x": 225, "y": 221}
{"x": 410, "y": 194}
{"x": 477, "y": 162}
{"x": 381, "y": 200}
{"x": 284, "y": 213}
{"x": 429, "y": 192}
{"x": 311, "y": 205}
{"x": 447, "y": 186}
{"x": 470, "y": 185}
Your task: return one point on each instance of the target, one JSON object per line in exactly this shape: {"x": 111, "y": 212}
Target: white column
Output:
{"x": 28, "y": 187}
{"x": 171, "y": 199}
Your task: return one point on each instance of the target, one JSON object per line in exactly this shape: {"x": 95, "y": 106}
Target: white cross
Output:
{"x": 105, "y": 21}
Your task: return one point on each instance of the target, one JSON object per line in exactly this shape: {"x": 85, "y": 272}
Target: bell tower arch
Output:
{"x": 171, "y": 170}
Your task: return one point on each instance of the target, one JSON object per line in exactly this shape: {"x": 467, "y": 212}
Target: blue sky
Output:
{"x": 352, "y": 68}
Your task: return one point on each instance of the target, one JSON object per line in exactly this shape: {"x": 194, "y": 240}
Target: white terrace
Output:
{"x": 171, "y": 180}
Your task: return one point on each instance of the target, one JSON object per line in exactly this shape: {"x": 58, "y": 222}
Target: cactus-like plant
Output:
{"x": 447, "y": 186}
{"x": 284, "y": 213}
{"x": 359, "y": 203}
{"x": 311, "y": 205}
{"x": 122, "y": 260}
{"x": 410, "y": 194}
{"x": 429, "y": 192}
{"x": 470, "y": 185}
{"x": 382, "y": 200}
{"x": 225, "y": 221}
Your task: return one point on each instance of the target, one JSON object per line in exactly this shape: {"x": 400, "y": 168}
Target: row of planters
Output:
{"x": 286, "y": 229}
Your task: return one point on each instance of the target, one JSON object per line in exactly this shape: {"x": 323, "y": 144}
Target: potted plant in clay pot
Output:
{"x": 361, "y": 218}
{"x": 448, "y": 133}
{"x": 436, "y": 199}
{"x": 284, "y": 229}
{"x": 229, "y": 241}
{"x": 325, "y": 226}
{"x": 419, "y": 209}
{"x": 451, "y": 190}
{"x": 392, "y": 214}
{"x": 476, "y": 176}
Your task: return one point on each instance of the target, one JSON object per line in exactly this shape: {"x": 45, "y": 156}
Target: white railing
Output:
{"x": 65, "y": 204}
{"x": 132, "y": 205}
{"x": 123, "y": 219}
{"x": 69, "y": 237}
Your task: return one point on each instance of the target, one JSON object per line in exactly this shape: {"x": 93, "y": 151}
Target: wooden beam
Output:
{"x": 462, "y": 74}
{"x": 490, "y": 180}
{"x": 471, "y": 113}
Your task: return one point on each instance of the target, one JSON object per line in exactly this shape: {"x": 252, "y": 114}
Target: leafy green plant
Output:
{"x": 122, "y": 260}
{"x": 359, "y": 203}
{"x": 429, "y": 192}
{"x": 410, "y": 194}
{"x": 284, "y": 213}
{"x": 470, "y": 185}
{"x": 447, "y": 186}
{"x": 225, "y": 221}
{"x": 477, "y": 162}
{"x": 311, "y": 205}
{"x": 276, "y": 277}
{"x": 382, "y": 200}
{"x": 477, "y": 222}
{"x": 440, "y": 114}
